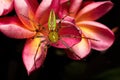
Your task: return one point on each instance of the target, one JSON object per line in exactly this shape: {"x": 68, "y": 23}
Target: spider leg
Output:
{"x": 59, "y": 23}
{"x": 38, "y": 36}
{"x": 37, "y": 52}
{"x": 68, "y": 47}
{"x": 73, "y": 36}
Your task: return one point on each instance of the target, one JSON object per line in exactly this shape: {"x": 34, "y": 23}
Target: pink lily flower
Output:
{"x": 84, "y": 16}
{"x": 30, "y": 23}
{"x": 6, "y": 6}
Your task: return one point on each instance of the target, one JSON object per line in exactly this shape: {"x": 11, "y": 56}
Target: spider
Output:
{"x": 53, "y": 33}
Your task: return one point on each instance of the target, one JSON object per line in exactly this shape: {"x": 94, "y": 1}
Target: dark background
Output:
{"x": 57, "y": 66}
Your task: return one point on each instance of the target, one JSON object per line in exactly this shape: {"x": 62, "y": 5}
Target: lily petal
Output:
{"x": 103, "y": 36}
{"x": 70, "y": 19}
{"x": 63, "y": 10}
{"x": 74, "y": 7}
{"x": 44, "y": 9}
{"x": 24, "y": 12}
{"x": 33, "y": 5}
{"x": 33, "y": 54}
{"x": 6, "y": 6}
{"x": 94, "y": 10}
{"x": 63, "y": 1}
{"x": 80, "y": 50}
{"x": 69, "y": 35}
{"x": 12, "y": 27}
